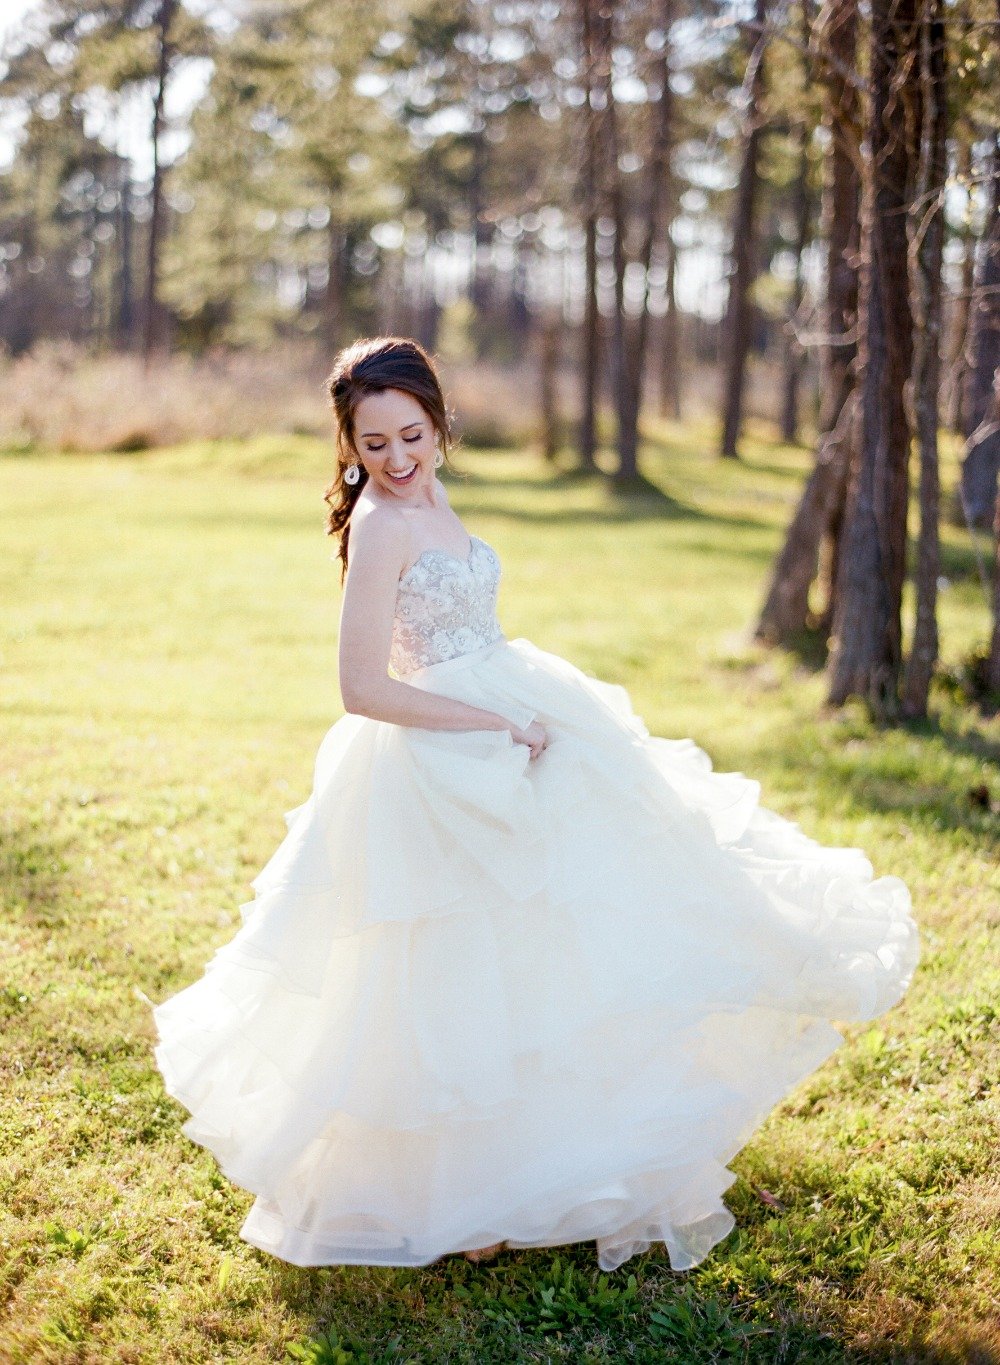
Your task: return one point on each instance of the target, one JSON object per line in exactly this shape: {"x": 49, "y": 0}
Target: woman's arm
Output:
{"x": 379, "y": 548}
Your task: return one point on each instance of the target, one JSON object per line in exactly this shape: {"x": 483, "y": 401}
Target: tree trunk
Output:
{"x": 802, "y": 208}
{"x": 591, "y": 352}
{"x": 333, "y": 297}
{"x": 125, "y": 311}
{"x": 743, "y": 251}
{"x": 480, "y": 281}
{"x": 830, "y": 551}
{"x": 929, "y": 255}
{"x": 549, "y": 331}
{"x": 613, "y": 196}
{"x": 955, "y": 369}
{"x": 819, "y": 514}
{"x": 979, "y": 471}
{"x": 842, "y": 212}
{"x": 793, "y": 351}
{"x": 786, "y": 609}
{"x": 658, "y": 178}
{"x": 164, "y": 20}
{"x": 993, "y": 662}
{"x": 590, "y": 340}
{"x": 867, "y": 647}
{"x": 670, "y": 345}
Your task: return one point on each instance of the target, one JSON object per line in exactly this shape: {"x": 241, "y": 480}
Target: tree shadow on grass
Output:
{"x": 638, "y": 492}
{"x": 858, "y": 785}
{"x": 32, "y": 873}
{"x": 939, "y": 725}
{"x": 959, "y": 564}
{"x": 811, "y": 652}
{"x": 639, "y": 501}
{"x": 809, "y": 647}
{"x": 778, "y": 471}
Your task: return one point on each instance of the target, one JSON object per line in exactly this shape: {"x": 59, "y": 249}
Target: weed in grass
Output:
{"x": 698, "y": 1328}
{"x": 330, "y": 1348}
{"x": 71, "y": 1240}
{"x": 563, "y": 1298}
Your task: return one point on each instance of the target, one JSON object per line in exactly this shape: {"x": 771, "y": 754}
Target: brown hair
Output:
{"x": 372, "y": 365}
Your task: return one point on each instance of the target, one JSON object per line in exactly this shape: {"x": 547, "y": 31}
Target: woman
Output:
{"x": 520, "y": 973}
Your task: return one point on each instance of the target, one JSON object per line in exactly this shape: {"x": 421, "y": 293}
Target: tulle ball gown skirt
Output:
{"x": 479, "y": 997}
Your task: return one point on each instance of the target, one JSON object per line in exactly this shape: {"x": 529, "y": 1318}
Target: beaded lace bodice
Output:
{"x": 445, "y": 606}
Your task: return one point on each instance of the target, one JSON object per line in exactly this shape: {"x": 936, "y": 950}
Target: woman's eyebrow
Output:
{"x": 406, "y": 428}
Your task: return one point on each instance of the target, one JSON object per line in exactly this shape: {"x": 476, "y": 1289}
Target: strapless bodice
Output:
{"x": 445, "y": 606}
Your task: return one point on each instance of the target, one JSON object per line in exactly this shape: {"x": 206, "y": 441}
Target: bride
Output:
{"x": 520, "y": 973}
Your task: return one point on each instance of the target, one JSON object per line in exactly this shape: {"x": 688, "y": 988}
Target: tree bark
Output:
{"x": 867, "y": 647}
{"x": 819, "y": 514}
{"x": 979, "y": 468}
{"x": 480, "y": 275}
{"x": 961, "y": 312}
{"x": 612, "y": 195}
{"x": 929, "y": 255}
{"x": 590, "y": 340}
{"x": 670, "y": 343}
{"x": 993, "y": 661}
{"x": 164, "y": 20}
{"x": 802, "y": 210}
{"x": 743, "y": 252}
{"x": 658, "y": 178}
{"x": 549, "y": 329}
{"x": 333, "y": 302}
{"x": 125, "y": 311}
{"x": 793, "y": 356}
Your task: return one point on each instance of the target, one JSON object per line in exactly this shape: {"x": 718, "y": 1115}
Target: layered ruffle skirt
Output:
{"x": 479, "y": 997}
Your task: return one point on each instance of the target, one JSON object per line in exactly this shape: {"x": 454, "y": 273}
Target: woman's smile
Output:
{"x": 405, "y": 476}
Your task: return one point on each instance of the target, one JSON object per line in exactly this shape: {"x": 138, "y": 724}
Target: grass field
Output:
{"x": 169, "y": 668}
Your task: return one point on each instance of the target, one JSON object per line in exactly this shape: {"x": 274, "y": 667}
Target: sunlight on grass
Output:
{"x": 169, "y": 661}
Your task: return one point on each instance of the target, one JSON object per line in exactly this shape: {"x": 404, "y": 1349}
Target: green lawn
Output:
{"x": 169, "y": 668}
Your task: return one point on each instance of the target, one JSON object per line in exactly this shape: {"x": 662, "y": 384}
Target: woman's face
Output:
{"x": 395, "y": 439}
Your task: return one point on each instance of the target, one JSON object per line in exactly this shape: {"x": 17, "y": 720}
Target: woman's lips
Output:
{"x": 405, "y": 478}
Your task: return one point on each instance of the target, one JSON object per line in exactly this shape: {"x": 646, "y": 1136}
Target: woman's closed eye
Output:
{"x": 408, "y": 439}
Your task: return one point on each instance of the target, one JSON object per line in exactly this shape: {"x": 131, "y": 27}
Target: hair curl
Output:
{"x": 372, "y": 365}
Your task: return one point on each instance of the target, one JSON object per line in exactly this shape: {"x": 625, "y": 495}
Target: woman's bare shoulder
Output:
{"x": 380, "y": 530}
{"x": 380, "y": 519}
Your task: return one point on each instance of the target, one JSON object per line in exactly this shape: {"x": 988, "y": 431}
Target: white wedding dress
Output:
{"x": 480, "y": 997}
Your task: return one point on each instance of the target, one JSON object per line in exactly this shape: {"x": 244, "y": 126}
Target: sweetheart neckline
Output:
{"x": 444, "y": 554}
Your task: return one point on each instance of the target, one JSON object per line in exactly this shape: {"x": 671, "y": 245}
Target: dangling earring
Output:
{"x": 352, "y": 473}
{"x": 438, "y": 458}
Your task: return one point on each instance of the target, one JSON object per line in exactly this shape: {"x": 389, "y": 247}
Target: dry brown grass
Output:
{"x": 59, "y": 397}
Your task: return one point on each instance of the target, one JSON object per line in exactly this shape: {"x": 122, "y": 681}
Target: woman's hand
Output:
{"x": 533, "y": 735}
